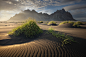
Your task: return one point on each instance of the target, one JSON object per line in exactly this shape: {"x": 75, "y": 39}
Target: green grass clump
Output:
{"x": 16, "y": 31}
{"x": 71, "y": 22}
{"x": 74, "y": 24}
{"x": 40, "y": 21}
{"x": 64, "y": 22}
{"x": 79, "y": 23}
{"x": 29, "y": 29}
{"x": 52, "y": 23}
{"x": 51, "y": 30}
{"x": 65, "y": 39}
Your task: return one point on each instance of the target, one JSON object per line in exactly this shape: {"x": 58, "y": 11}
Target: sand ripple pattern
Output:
{"x": 38, "y": 48}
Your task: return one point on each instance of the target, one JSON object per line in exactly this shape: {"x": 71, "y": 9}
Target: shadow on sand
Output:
{"x": 22, "y": 39}
{"x": 80, "y": 45}
{"x": 17, "y": 40}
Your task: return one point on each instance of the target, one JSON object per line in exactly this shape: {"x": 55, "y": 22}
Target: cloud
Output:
{"x": 8, "y": 5}
{"x": 74, "y": 7}
{"x": 81, "y": 17}
{"x": 17, "y": 4}
{"x": 78, "y": 11}
{"x": 39, "y": 5}
{"x": 66, "y": 1}
{"x": 5, "y": 15}
{"x": 79, "y": 14}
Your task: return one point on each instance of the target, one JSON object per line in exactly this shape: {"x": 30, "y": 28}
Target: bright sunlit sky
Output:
{"x": 9, "y": 8}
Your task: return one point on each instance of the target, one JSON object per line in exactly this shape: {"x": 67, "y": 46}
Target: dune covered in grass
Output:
{"x": 29, "y": 29}
{"x": 51, "y": 23}
{"x": 70, "y": 24}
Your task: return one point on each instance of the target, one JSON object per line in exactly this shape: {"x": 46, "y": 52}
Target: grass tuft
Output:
{"x": 74, "y": 24}
{"x": 40, "y": 21}
{"x": 77, "y": 24}
{"x": 52, "y": 23}
{"x": 65, "y": 22}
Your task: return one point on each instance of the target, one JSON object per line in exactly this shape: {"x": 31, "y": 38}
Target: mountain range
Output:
{"x": 59, "y": 15}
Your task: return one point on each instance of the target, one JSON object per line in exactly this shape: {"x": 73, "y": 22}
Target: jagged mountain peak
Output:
{"x": 59, "y": 15}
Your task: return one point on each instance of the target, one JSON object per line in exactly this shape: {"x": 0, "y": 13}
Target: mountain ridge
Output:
{"x": 59, "y": 15}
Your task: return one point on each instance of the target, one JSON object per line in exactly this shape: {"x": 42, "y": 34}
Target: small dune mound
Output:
{"x": 29, "y": 29}
{"x": 52, "y": 23}
{"x": 77, "y": 24}
{"x": 70, "y": 24}
{"x": 67, "y": 25}
{"x": 64, "y": 22}
{"x": 40, "y": 21}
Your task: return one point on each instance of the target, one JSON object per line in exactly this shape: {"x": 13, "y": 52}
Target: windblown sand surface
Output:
{"x": 45, "y": 45}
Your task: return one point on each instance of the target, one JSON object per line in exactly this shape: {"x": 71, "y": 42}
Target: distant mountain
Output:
{"x": 59, "y": 15}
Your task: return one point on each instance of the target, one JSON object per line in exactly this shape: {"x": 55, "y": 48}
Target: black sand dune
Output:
{"x": 68, "y": 25}
{"x": 45, "y": 45}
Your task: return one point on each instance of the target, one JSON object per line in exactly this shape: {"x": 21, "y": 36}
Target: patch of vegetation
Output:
{"x": 52, "y": 23}
{"x": 65, "y": 39}
{"x": 79, "y": 23}
{"x": 51, "y": 30}
{"x": 71, "y": 22}
{"x": 64, "y": 22}
{"x": 40, "y": 21}
{"x": 29, "y": 29}
{"x": 74, "y": 24}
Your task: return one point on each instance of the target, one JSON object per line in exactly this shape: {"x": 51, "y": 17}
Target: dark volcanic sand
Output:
{"x": 44, "y": 46}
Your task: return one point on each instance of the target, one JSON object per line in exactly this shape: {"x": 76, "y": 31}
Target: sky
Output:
{"x": 8, "y": 8}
